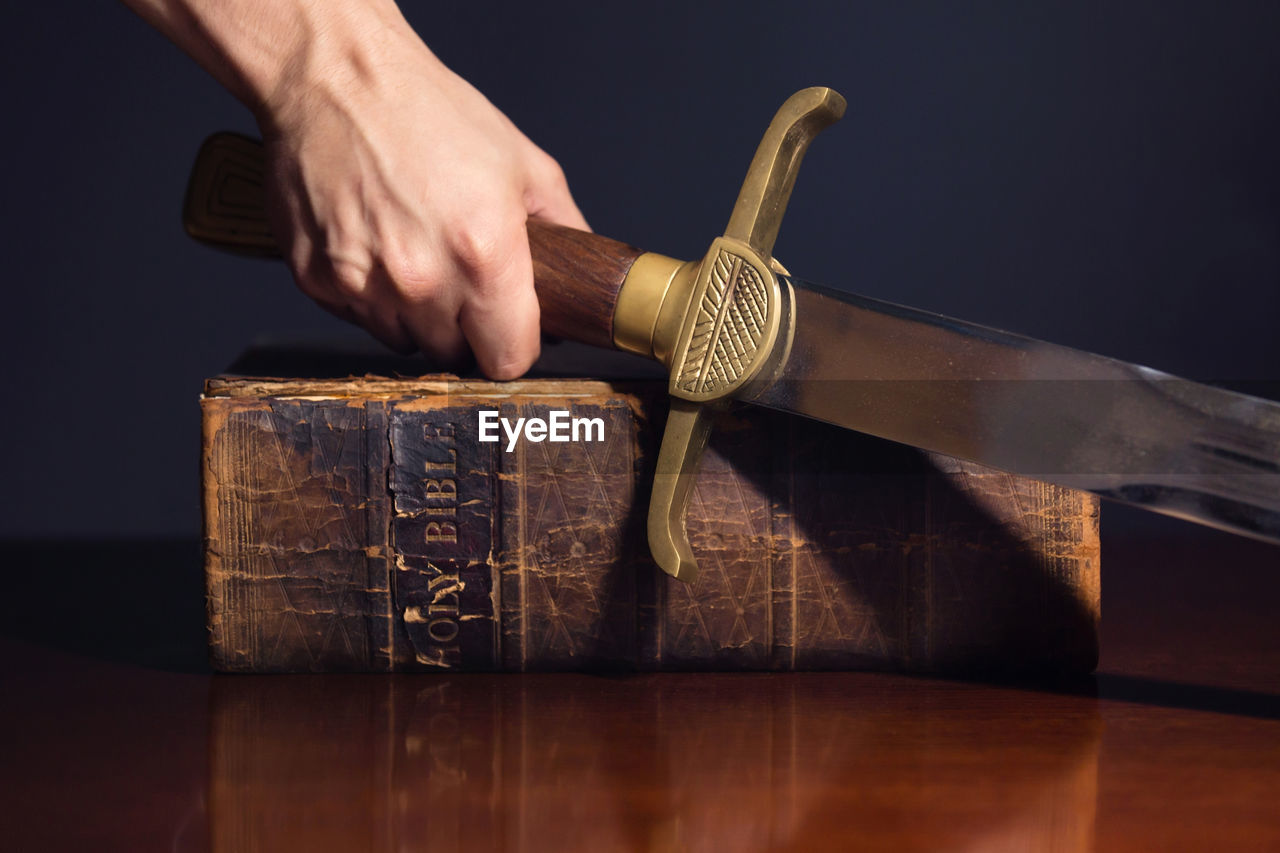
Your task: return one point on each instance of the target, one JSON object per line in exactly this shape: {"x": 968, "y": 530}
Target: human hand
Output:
{"x": 398, "y": 193}
{"x": 399, "y": 196}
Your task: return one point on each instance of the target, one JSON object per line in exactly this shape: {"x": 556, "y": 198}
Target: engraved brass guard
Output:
{"x": 722, "y": 326}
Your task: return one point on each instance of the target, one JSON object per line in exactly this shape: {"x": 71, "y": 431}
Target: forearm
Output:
{"x": 265, "y": 52}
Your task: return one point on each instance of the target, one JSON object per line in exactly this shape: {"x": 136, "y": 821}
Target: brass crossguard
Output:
{"x": 722, "y": 325}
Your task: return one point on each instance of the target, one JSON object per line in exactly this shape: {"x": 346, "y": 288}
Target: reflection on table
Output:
{"x": 729, "y": 762}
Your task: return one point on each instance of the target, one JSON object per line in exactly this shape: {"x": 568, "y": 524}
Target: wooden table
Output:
{"x": 116, "y": 738}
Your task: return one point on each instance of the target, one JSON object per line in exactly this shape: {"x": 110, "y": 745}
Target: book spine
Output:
{"x": 443, "y": 487}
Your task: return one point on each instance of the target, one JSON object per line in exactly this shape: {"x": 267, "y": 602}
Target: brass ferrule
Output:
{"x": 650, "y": 308}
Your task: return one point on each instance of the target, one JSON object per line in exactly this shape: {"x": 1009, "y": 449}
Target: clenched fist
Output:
{"x": 398, "y": 193}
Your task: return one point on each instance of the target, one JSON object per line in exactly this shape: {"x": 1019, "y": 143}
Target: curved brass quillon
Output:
{"x": 721, "y": 325}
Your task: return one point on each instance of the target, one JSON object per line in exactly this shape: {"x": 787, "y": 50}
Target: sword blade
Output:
{"x": 1054, "y": 413}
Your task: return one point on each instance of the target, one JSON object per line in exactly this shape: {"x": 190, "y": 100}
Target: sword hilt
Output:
{"x": 721, "y": 325}
{"x": 728, "y": 329}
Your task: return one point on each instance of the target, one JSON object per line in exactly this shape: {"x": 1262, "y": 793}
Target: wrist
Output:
{"x": 339, "y": 53}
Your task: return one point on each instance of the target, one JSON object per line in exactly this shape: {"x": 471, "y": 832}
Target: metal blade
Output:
{"x": 1053, "y": 413}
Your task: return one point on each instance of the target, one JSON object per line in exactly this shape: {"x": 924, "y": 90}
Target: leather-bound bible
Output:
{"x": 391, "y": 524}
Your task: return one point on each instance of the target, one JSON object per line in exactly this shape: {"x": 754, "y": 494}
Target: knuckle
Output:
{"x": 350, "y": 278}
{"x": 413, "y": 279}
{"x": 484, "y": 249}
{"x": 550, "y": 171}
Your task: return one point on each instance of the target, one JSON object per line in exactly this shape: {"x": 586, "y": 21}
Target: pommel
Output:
{"x": 722, "y": 326}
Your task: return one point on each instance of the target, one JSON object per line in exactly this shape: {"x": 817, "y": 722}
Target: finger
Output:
{"x": 381, "y": 321}
{"x": 388, "y": 331}
{"x": 359, "y": 298}
{"x": 547, "y": 195}
{"x": 392, "y": 334}
{"x": 499, "y": 313}
{"x": 437, "y": 335}
{"x": 314, "y": 276}
{"x": 427, "y": 309}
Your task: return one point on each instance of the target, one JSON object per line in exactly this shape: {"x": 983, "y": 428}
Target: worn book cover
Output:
{"x": 362, "y": 524}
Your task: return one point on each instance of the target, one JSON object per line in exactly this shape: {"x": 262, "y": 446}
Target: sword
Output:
{"x": 735, "y": 325}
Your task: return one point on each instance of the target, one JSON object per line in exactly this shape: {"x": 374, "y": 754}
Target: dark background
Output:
{"x": 1099, "y": 174}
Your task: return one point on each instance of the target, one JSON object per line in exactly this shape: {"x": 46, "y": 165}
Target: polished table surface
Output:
{"x": 117, "y": 738}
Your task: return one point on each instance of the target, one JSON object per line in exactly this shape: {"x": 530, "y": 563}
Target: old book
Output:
{"x": 360, "y": 524}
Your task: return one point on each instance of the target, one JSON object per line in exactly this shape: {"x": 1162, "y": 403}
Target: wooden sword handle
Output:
{"x": 577, "y": 274}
